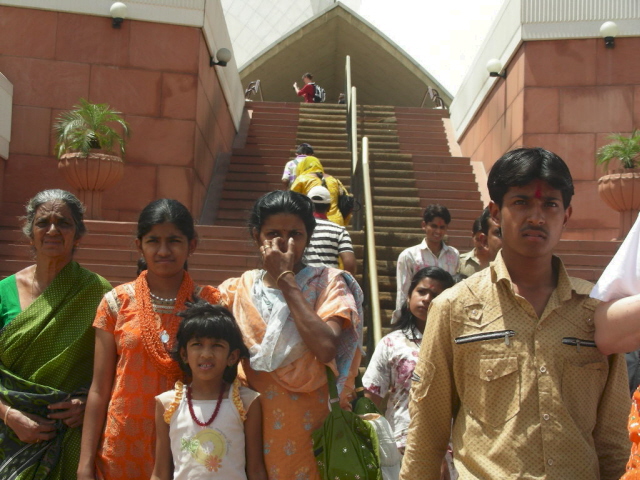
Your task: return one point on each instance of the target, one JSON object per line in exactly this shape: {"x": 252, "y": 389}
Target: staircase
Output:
{"x": 411, "y": 167}
{"x": 109, "y": 249}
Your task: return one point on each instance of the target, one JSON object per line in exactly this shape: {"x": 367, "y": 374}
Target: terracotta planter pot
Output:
{"x": 91, "y": 176}
{"x": 620, "y": 189}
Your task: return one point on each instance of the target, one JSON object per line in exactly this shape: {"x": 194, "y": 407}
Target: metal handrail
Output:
{"x": 347, "y": 89}
{"x": 370, "y": 258}
{"x": 435, "y": 97}
{"x": 253, "y": 89}
{"x": 363, "y": 217}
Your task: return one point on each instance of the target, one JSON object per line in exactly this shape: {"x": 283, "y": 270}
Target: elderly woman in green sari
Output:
{"x": 46, "y": 344}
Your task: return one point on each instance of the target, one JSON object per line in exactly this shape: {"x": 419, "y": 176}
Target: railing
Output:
{"x": 370, "y": 261}
{"x": 363, "y": 217}
{"x": 253, "y": 89}
{"x": 435, "y": 97}
{"x": 347, "y": 90}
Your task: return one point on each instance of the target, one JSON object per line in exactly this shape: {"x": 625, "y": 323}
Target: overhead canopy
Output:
{"x": 380, "y": 70}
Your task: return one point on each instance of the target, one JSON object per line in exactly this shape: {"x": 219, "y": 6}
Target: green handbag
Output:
{"x": 345, "y": 446}
{"x": 362, "y": 405}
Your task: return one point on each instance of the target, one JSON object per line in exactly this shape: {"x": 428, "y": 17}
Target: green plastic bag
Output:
{"x": 346, "y": 446}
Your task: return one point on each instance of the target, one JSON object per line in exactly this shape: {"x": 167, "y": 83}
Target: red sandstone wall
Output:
{"x": 158, "y": 75}
{"x": 497, "y": 126}
{"x": 575, "y": 94}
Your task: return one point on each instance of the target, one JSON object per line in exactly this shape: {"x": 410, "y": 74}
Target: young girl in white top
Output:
{"x": 212, "y": 427}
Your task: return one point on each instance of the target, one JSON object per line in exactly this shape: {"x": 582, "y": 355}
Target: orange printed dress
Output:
{"x": 144, "y": 369}
{"x": 294, "y": 397}
{"x": 633, "y": 465}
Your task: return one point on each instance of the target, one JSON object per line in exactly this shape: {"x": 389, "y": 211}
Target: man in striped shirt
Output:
{"x": 330, "y": 242}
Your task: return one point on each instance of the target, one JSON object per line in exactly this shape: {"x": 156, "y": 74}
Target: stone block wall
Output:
{"x": 158, "y": 75}
{"x": 566, "y": 96}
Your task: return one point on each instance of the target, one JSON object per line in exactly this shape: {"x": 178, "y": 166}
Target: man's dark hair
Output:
{"x": 521, "y": 166}
{"x": 308, "y": 75}
{"x": 484, "y": 221}
{"x": 322, "y": 208}
{"x": 476, "y": 227}
{"x": 435, "y": 210}
{"x": 304, "y": 149}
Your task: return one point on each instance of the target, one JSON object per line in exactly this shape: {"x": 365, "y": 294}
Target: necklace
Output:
{"x": 163, "y": 300}
{"x": 215, "y": 412}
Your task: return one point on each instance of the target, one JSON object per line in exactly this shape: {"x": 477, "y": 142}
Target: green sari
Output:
{"x": 46, "y": 356}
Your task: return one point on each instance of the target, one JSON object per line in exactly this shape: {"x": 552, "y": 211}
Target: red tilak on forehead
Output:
{"x": 538, "y": 192}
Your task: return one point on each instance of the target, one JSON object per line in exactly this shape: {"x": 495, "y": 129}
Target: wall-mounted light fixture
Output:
{"x": 223, "y": 55}
{"x": 119, "y": 12}
{"x": 494, "y": 66}
{"x": 609, "y": 30}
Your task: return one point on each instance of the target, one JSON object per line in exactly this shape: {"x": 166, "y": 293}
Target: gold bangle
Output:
{"x": 6, "y": 414}
{"x": 284, "y": 273}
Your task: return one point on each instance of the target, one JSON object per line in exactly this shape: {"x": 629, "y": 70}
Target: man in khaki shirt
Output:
{"x": 508, "y": 354}
{"x": 486, "y": 244}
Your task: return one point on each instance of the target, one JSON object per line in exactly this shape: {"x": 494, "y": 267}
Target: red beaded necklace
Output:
{"x": 215, "y": 412}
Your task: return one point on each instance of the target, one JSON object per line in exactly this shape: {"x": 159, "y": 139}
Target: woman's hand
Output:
{"x": 70, "y": 412}
{"x": 277, "y": 257}
{"x": 30, "y": 428}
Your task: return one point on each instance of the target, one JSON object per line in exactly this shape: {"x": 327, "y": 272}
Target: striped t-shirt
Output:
{"x": 328, "y": 241}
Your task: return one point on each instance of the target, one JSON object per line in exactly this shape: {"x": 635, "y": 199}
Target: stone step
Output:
{"x": 386, "y": 191}
{"x": 118, "y": 274}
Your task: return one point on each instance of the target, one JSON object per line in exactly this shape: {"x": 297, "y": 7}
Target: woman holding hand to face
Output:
{"x": 295, "y": 320}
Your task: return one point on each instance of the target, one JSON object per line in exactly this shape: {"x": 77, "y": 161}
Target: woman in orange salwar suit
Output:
{"x": 295, "y": 319}
{"x": 136, "y": 324}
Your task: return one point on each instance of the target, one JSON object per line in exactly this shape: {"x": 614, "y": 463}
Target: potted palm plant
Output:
{"x": 620, "y": 188}
{"x": 90, "y": 149}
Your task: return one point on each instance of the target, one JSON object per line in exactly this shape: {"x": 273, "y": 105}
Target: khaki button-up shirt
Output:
{"x": 530, "y": 398}
{"x": 469, "y": 263}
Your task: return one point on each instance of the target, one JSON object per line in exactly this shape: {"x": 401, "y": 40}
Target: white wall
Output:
{"x": 6, "y": 100}
{"x": 255, "y": 24}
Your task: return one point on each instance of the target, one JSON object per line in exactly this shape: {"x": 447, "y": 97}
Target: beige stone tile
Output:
{"x": 137, "y": 188}
{"x": 31, "y": 131}
{"x": 175, "y": 182}
{"x": 179, "y": 92}
{"x": 134, "y": 91}
{"x": 14, "y": 22}
{"x": 173, "y": 48}
{"x": 553, "y": 63}
{"x": 91, "y": 39}
{"x": 161, "y": 141}
{"x": 596, "y": 109}
{"x": 45, "y": 83}
{"x": 576, "y": 149}
{"x": 541, "y": 110}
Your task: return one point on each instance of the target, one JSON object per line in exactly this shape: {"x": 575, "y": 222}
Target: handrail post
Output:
{"x": 370, "y": 246}
{"x": 354, "y": 130}
{"x": 347, "y": 89}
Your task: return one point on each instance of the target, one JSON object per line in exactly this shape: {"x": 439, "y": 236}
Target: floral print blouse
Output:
{"x": 389, "y": 372}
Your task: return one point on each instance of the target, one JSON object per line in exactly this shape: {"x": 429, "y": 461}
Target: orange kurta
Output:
{"x": 633, "y": 465}
{"x": 127, "y": 447}
{"x": 294, "y": 398}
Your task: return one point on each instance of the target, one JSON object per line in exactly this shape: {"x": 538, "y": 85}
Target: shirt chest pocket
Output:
{"x": 492, "y": 389}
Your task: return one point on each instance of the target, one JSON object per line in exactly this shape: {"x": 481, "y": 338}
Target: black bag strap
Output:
{"x": 321, "y": 177}
{"x": 359, "y": 386}
{"x": 334, "y": 399}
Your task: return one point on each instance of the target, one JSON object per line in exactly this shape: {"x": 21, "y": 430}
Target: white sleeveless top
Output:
{"x": 213, "y": 452}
